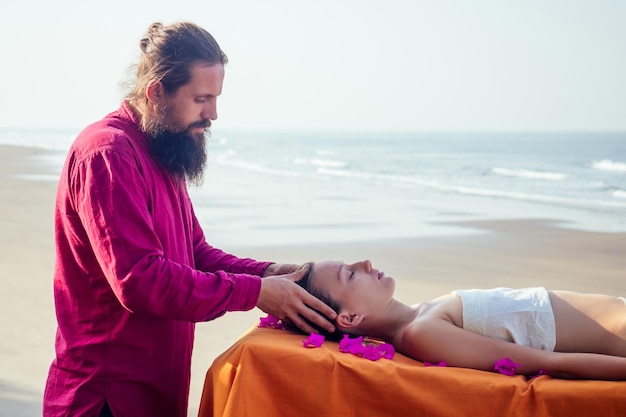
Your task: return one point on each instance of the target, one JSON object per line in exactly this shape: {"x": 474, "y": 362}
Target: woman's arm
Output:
{"x": 436, "y": 340}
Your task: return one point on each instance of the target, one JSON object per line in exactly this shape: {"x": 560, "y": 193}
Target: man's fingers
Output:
{"x": 322, "y": 322}
{"x": 312, "y": 314}
{"x": 284, "y": 298}
{"x": 318, "y": 305}
{"x": 299, "y": 274}
{"x": 303, "y": 325}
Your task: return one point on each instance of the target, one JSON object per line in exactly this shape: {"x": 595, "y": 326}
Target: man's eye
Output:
{"x": 200, "y": 100}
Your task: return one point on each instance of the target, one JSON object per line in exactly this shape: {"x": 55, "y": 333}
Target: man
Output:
{"x": 133, "y": 271}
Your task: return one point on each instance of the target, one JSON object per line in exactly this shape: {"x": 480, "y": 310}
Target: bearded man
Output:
{"x": 133, "y": 270}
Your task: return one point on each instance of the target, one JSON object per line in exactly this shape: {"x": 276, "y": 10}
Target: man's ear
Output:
{"x": 349, "y": 320}
{"x": 155, "y": 91}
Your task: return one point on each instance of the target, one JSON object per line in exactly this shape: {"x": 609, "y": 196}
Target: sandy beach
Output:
{"x": 514, "y": 253}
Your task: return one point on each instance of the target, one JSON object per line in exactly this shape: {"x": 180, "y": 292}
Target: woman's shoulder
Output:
{"x": 447, "y": 307}
{"x": 446, "y": 310}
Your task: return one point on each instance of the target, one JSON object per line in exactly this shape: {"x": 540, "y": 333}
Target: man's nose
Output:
{"x": 209, "y": 111}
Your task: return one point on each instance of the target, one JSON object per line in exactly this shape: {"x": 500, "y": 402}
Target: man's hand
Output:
{"x": 281, "y": 269}
{"x": 284, "y": 299}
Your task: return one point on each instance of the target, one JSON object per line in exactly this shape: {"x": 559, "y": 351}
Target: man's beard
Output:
{"x": 181, "y": 153}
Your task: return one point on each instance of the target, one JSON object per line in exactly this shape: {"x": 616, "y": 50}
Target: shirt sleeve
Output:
{"x": 113, "y": 202}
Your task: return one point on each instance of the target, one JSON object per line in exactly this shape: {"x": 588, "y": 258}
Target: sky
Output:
{"x": 393, "y": 65}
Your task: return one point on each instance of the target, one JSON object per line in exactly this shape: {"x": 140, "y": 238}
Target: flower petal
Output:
{"x": 387, "y": 350}
{"x": 313, "y": 341}
{"x": 506, "y": 366}
{"x": 348, "y": 345}
{"x": 371, "y": 352}
{"x": 272, "y": 322}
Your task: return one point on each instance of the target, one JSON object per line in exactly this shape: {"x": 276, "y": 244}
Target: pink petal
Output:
{"x": 387, "y": 350}
{"x": 371, "y": 352}
{"x": 314, "y": 340}
{"x": 357, "y": 349}
{"x": 506, "y": 366}
{"x": 348, "y": 345}
{"x": 272, "y": 322}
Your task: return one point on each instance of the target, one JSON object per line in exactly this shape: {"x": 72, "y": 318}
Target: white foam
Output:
{"x": 328, "y": 163}
{"x": 525, "y": 173}
{"x": 608, "y": 165}
{"x": 395, "y": 180}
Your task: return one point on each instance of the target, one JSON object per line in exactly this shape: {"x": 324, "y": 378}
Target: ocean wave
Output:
{"x": 329, "y": 163}
{"x": 543, "y": 198}
{"x": 525, "y": 173}
{"x": 619, "y": 193}
{"x": 382, "y": 178}
{"x": 250, "y": 166}
{"x": 608, "y": 165}
{"x": 403, "y": 181}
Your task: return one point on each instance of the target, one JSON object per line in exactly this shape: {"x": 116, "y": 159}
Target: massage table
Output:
{"x": 268, "y": 373}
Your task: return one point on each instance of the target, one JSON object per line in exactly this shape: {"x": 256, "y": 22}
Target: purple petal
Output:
{"x": 357, "y": 349}
{"x": 272, "y": 322}
{"x": 313, "y": 341}
{"x": 506, "y": 366}
{"x": 347, "y": 345}
{"x": 387, "y": 350}
{"x": 371, "y": 352}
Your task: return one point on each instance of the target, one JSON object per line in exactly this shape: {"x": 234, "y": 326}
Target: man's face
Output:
{"x": 194, "y": 105}
{"x": 181, "y": 121}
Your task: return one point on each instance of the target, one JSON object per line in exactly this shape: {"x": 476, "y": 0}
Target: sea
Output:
{"x": 291, "y": 187}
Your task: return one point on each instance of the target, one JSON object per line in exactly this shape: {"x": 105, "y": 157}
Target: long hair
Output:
{"x": 168, "y": 53}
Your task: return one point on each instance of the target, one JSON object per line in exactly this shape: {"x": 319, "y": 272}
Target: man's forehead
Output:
{"x": 204, "y": 74}
{"x": 204, "y": 67}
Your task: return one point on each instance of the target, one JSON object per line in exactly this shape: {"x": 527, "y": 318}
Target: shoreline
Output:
{"x": 511, "y": 252}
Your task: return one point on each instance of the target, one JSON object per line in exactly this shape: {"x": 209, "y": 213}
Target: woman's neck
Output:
{"x": 390, "y": 324}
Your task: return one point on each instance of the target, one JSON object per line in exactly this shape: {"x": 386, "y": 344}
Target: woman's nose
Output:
{"x": 367, "y": 265}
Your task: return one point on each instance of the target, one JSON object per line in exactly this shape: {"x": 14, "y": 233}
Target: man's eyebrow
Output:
{"x": 339, "y": 270}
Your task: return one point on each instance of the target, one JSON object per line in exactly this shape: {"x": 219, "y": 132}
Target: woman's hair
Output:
{"x": 168, "y": 53}
{"x": 307, "y": 283}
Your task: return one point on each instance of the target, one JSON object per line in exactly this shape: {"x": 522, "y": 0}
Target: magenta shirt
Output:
{"x": 133, "y": 274}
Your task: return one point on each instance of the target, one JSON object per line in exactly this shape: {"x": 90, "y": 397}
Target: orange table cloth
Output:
{"x": 268, "y": 373}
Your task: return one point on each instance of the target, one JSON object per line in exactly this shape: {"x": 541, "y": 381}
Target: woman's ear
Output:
{"x": 349, "y": 320}
{"x": 155, "y": 92}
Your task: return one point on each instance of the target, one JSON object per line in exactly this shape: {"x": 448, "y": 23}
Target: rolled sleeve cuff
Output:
{"x": 246, "y": 292}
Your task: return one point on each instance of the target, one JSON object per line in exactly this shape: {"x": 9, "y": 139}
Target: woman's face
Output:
{"x": 357, "y": 287}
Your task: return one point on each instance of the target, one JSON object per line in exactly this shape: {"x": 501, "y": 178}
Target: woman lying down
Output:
{"x": 565, "y": 334}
